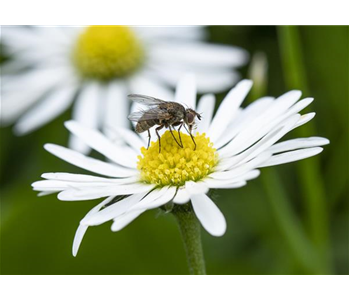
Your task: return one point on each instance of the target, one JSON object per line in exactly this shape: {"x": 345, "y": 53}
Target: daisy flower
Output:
{"x": 232, "y": 145}
{"x": 97, "y": 66}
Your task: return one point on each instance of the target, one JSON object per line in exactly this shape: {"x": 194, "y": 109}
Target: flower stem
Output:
{"x": 191, "y": 235}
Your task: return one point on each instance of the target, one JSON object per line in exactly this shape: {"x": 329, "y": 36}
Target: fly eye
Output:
{"x": 190, "y": 118}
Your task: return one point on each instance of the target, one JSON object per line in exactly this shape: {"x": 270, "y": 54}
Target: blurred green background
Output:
{"x": 293, "y": 219}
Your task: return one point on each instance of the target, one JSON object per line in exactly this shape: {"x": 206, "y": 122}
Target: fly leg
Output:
{"x": 179, "y": 131}
{"x": 179, "y": 134}
{"x": 149, "y": 137}
{"x": 180, "y": 145}
{"x": 192, "y": 138}
{"x": 157, "y": 133}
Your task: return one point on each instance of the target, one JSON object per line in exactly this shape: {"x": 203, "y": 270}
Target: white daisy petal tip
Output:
{"x": 182, "y": 197}
{"x": 209, "y": 215}
{"x": 297, "y": 93}
{"x": 49, "y": 147}
{"x": 80, "y": 232}
{"x": 63, "y": 196}
{"x": 248, "y": 83}
{"x": 310, "y": 99}
{"x": 186, "y": 90}
{"x": 324, "y": 141}
{"x": 70, "y": 123}
{"x": 124, "y": 220}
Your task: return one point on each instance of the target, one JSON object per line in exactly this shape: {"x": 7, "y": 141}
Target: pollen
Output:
{"x": 175, "y": 165}
{"x": 107, "y": 52}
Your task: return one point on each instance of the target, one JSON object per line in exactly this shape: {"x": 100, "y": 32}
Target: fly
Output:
{"x": 163, "y": 114}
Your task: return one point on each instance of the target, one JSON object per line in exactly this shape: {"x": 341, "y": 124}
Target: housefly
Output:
{"x": 163, "y": 114}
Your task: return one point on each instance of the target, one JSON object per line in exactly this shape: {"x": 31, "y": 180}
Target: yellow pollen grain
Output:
{"x": 175, "y": 165}
{"x": 107, "y": 52}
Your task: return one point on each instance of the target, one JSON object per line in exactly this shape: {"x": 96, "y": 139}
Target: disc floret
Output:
{"x": 107, "y": 52}
{"x": 176, "y": 165}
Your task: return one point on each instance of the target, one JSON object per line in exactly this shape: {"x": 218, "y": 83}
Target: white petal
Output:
{"x": 305, "y": 119}
{"x": 28, "y": 41}
{"x": 131, "y": 138}
{"x": 37, "y": 78}
{"x": 287, "y": 100}
{"x": 87, "y": 178}
{"x": 291, "y": 156}
{"x": 50, "y": 185}
{"x": 73, "y": 31}
{"x": 234, "y": 182}
{"x": 207, "y": 80}
{"x": 116, "y": 107}
{"x": 209, "y": 215}
{"x": 87, "y": 111}
{"x": 272, "y": 118}
{"x": 100, "y": 143}
{"x": 300, "y": 105}
{"x": 215, "y": 184}
{"x": 80, "y": 232}
{"x": 113, "y": 211}
{"x": 298, "y": 143}
{"x": 13, "y": 104}
{"x": 228, "y": 109}
{"x": 88, "y": 163}
{"x": 251, "y": 175}
{"x": 89, "y": 193}
{"x": 268, "y": 140}
{"x": 145, "y": 83}
{"x": 26, "y": 92}
{"x": 52, "y": 106}
{"x": 205, "y": 107}
{"x": 41, "y": 194}
{"x": 182, "y": 196}
{"x": 193, "y": 188}
{"x": 125, "y": 219}
{"x": 18, "y": 36}
{"x": 154, "y": 33}
{"x": 53, "y": 35}
{"x": 243, "y": 119}
{"x": 151, "y": 197}
{"x": 199, "y": 54}
{"x": 236, "y": 172}
{"x": 186, "y": 91}
{"x": 79, "y": 235}
{"x": 160, "y": 201}
{"x": 59, "y": 185}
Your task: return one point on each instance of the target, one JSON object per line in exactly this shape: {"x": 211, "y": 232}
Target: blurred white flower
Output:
{"x": 97, "y": 66}
{"x": 231, "y": 146}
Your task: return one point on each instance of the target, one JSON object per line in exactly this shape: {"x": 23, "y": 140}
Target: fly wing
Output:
{"x": 150, "y": 114}
{"x": 145, "y": 100}
{"x": 135, "y": 116}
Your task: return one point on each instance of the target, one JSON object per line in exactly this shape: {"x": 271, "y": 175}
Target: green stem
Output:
{"x": 309, "y": 171}
{"x": 191, "y": 234}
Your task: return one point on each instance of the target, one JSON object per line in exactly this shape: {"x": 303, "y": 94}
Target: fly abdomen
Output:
{"x": 145, "y": 125}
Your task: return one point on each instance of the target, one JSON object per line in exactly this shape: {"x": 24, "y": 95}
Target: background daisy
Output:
{"x": 97, "y": 66}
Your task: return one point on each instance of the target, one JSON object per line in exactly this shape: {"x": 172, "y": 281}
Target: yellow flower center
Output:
{"x": 176, "y": 165}
{"x": 107, "y": 52}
